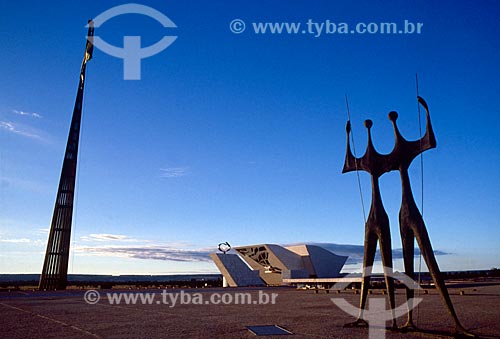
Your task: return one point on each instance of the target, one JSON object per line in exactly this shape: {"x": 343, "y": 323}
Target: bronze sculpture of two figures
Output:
{"x": 410, "y": 220}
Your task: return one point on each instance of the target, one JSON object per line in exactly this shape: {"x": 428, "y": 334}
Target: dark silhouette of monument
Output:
{"x": 55, "y": 267}
{"x": 411, "y": 223}
{"x": 377, "y": 224}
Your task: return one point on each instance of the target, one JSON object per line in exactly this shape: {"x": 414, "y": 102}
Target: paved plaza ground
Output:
{"x": 306, "y": 314}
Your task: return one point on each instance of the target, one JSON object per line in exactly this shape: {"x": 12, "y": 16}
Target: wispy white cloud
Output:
{"x": 19, "y": 129}
{"x": 355, "y": 252}
{"x": 108, "y": 237}
{"x": 118, "y": 245}
{"x": 152, "y": 252}
{"x": 16, "y": 126}
{"x": 173, "y": 172}
{"x": 29, "y": 114}
{"x": 24, "y": 184}
{"x": 17, "y": 241}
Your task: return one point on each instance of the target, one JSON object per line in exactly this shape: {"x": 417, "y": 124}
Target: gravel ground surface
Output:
{"x": 307, "y": 314}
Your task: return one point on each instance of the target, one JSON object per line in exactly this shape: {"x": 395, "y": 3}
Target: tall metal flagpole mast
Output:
{"x": 55, "y": 267}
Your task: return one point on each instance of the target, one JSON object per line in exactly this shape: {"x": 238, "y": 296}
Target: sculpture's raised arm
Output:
{"x": 372, "y": 161}
{"x": 429, "y": 139}
{"x": 351, "y": 163}
{"x": 405, "y": 151}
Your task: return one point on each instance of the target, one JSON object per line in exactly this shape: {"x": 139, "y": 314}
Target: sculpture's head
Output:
{"x": 393, "y": 116}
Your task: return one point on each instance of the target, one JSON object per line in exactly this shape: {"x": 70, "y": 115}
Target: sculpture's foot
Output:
{"x": 461, "y": 332}
{"x": 393, "y": 327}
{"x": 408, "y": 327}
{"x": 357, "y": 323}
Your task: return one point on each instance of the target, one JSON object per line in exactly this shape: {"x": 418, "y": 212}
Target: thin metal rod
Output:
{"x": 421, "y": 188}
{"x": 355, "y": 162}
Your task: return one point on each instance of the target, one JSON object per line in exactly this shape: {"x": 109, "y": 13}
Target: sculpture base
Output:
{"x": 358, "y": 323}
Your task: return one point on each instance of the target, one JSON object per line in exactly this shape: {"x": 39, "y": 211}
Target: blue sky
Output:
{"x": 241, "y": 137}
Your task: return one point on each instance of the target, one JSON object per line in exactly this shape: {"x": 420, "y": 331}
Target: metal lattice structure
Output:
{"x": 55, "y": 267}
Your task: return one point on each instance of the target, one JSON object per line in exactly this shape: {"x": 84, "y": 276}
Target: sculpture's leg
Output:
{"x": 386, "y": 252}
{"x": 426, "y": 249}
{"x": 368, "y": 258}
{"x": 408, "y": 242}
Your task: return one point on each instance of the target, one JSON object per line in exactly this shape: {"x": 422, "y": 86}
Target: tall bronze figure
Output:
{"x": 411, "y": 223}
{"x": 377, "y": 224}
{"x": 55, "y": 266}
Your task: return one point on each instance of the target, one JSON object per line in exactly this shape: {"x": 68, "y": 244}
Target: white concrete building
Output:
{"x": 269, "y": 264}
